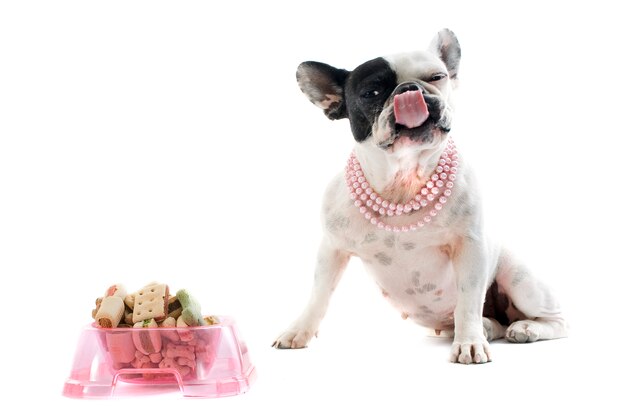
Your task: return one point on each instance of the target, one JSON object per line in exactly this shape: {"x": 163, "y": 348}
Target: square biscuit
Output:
{"x": 151, "y": 303}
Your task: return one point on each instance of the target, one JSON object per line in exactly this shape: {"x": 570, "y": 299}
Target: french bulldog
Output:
{"x": 407, "y": 205}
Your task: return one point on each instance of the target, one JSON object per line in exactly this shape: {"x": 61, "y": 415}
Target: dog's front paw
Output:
{"x": 474, "y": 350}
{"x": 294, "y": 338}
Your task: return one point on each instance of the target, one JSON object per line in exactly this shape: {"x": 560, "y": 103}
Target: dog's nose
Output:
{"x": 408, "y": 86}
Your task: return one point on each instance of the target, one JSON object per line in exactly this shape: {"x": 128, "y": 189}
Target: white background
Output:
{"x": 169, "y": 141}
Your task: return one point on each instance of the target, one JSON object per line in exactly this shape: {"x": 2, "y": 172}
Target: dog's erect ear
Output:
{"x": 323, "y": 85}
{"x": 446, "y": 46}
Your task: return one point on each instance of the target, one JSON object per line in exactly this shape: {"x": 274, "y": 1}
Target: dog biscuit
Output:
{"x": 151, "y": 303}
{"x": 191, "y": 313}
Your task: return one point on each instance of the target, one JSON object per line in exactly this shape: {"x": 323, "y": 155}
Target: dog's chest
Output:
{"x": 418, "y": 280}
{"x": 414, "y": 270}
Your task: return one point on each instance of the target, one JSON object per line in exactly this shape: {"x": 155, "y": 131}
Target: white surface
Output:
{"x": 146, "y": 141}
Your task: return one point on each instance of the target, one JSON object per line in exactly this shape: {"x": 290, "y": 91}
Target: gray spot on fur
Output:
{"x": 437, "y": 299}
{"x": 415, "y": 275}
{"x": 410, "y": 291}
{"x": 351, "y": 243}
{"x": 383, "y": 258}
{"x": 519, "y": 276}
{"x": 370, "y": 237}
{"x": 426, "y": 310}
{"x": 461, "y": 207}
{"x": 408, "y": 245}
{"x": 419, "y": 288}
{"x": 337, "y": 222}
{"x": 390, "y": 241}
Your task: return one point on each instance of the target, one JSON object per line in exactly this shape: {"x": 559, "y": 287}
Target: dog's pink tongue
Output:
{"x": 410, "y": 109}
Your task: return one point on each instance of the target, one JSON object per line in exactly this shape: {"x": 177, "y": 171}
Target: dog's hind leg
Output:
{"x": 534, "y": 311}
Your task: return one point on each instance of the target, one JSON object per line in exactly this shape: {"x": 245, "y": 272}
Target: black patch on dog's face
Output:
{"x": 367, "y": 89}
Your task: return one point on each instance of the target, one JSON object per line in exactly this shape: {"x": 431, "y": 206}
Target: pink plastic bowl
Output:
{"x": 106, "y": 360}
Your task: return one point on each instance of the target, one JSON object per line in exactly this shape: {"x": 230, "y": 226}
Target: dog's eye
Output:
{"x": 437, "y": 77}
{"x": 370, "y": 93}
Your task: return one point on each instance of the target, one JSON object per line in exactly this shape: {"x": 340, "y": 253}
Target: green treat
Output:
{"x": 191, "y": 314}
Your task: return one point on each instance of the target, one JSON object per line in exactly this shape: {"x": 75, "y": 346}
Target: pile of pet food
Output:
{"x": 150, "y": 308}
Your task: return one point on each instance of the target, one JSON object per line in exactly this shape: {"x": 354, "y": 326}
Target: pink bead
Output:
{"x": 455, "y": 163}
{"x": 420, "y": 224}
{"x": 444, "y": 155}
{"x": 454, "y": 170}
{"x": 435, "y": 191}
{"x": 405, "y": 228}
{"x": 399, "y": 211}
{"x": 355, "y": 185}
{"x": 358, "y": 191}
{"x": 364, "y": 197}
{"x": 449, "y": 184}
{"x": 388, "y": 228}
{"x": 413, "y": 227}
{"x": 385, "y": 203}
{"x": 353, "y": 196}
{"x": 369, "y": 203}
{"x": 390, "y": 212}
{"x": 365, "y": 184}
{"x": 447, "y": 192}
{"x": 427, "y": 219}
{"x": 358, "y": 173}
{"x": 423, "y": 203}
{"x": 435, "y": 177}
{"x": 353, "y": 179}
{"x": 375, "y": 207}
{"x": 392, "y": 206}
{"x": 448, "y": 161}
{"x": 382, "y": 211}
{"x": 407, "y": 208}
{"x": 438, "y": 206}
{"x": 374, "y": 220}
{"x": 443, "y": 200}
{"x": 430, "y": 197}
{"x": 368, "y": 191}
{"x": 443, "y": 176}
{"x": 433, "y": 213}
{"x": 368, "y": 215}
{"x": 439, "y": 183}
{"x": 379, "y": 200}
{"x": 430, "y": 184}
{"x": 361, "y": 180}
{"x": 363, "y": 210}
{"x": 439, "y": 169}
{"x": 424, "y": 191}
{"x": 374, "y": 196}
{"x": 357, "y": 166}
{"x": 452, "y": 177}
{"x": 381, "y": 225}
{"x": 416, "y": 205}
{"x": 446, "y": 168}
{"x": 442, "y": 162}
{"x": 358, "y": 203}
{"x": 396, "y": 229}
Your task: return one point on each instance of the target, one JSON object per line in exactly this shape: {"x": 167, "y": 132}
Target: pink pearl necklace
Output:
{"x": 374, "y": 207}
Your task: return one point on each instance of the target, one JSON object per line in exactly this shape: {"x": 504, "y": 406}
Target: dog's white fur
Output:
{"x": 438, "y": 275}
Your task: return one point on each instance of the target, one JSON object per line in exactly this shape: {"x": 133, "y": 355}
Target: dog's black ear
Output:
{"x": 446, "y": 46}
{"x": 324, "y": 86}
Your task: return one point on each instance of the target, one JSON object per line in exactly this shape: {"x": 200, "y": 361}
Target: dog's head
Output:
{"x": 393, "y": 101}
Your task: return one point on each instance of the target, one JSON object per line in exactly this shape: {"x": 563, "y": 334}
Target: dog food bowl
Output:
{"x": 203, "y": 361}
